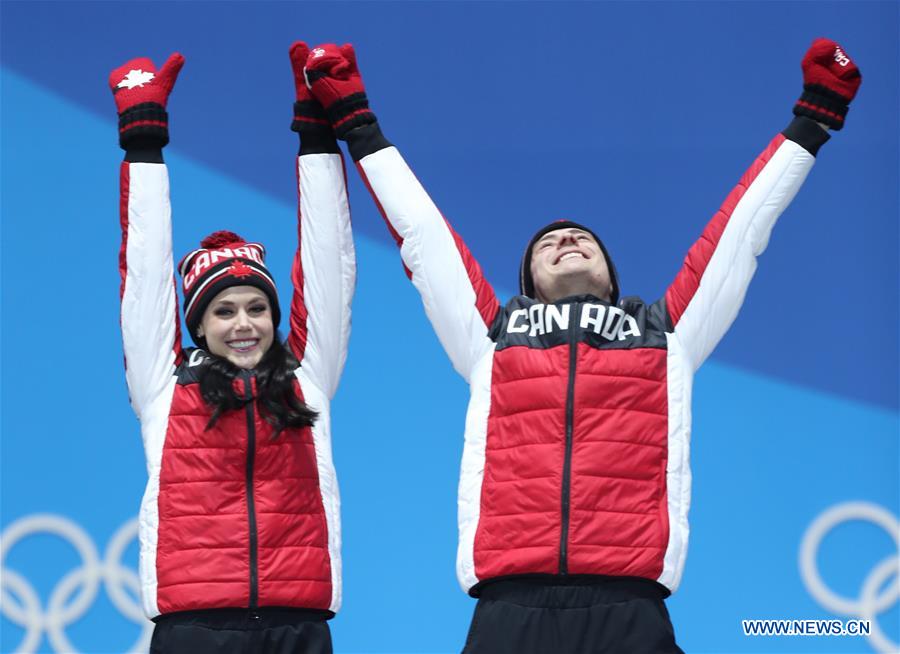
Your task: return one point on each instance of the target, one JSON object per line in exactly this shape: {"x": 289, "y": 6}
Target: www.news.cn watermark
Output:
{"x": 806, "y": 627}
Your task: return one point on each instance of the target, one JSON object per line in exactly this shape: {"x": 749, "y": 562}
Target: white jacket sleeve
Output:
{"x": 707, "y": 293}
{"x": 149, "y": 310}
{"x": 324, "y": 270}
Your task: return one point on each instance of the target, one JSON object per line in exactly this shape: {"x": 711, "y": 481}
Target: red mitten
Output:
{"x": 830, "y": 82}
{"x": 308, "y": 113}
{"x": 335, "y": 82}
{"x": 141, "y": 94}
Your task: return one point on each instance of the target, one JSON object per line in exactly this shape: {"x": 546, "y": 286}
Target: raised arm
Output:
{"x": 149, "y": 317}
{"x": 324, "y": 269}
{"x": 707, "y": 293}
{"x": 459, "y": 302}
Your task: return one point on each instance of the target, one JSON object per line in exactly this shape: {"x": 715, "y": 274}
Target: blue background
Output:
{"x": 635, "y": 118}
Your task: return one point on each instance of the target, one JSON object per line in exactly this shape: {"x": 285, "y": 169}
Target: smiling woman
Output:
{"x": 238, "y": 326}
{"x": 239, "y": 525}
{"x": 232, "y": 311}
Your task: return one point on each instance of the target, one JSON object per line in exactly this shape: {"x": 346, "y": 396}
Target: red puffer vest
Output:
{"x": 241, "y": 518}
{"x": 576, "y": 441}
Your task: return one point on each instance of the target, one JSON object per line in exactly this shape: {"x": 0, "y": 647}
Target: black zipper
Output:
{"x": 567, "y": 462}
{"x": 251, "y": 504}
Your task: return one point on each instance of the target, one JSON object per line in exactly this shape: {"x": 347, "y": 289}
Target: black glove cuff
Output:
{"x": 823, "y": 105}
{"x": 308, "y": 113}
{"x": 147, "y": 122}
{"x": 317, "y": 141}
{"x": 354, "y": 122}
{"x": 316, "y": 135}
{"x": 141, "y": 151}
{"x": 365, "y": 140}
{"x": 349, "y": 113}
{"x": 806, "y": 133}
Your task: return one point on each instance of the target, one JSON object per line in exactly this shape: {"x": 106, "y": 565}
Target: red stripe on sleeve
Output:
{"x": 299, "y": 312}
{"x": 176, "y": 346}
{"x": 124, "y": 186}
{"x": 485, "y": 299}
{"x": 682, "y": 290}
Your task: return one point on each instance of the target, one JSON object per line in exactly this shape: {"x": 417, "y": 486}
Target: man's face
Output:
{"x": 566, "y": 262}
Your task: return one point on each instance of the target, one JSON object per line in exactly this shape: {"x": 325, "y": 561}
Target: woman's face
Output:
{"x": 237, "y": 325}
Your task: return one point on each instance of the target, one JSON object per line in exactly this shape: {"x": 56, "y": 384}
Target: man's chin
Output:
{"x": 569, "y": 290}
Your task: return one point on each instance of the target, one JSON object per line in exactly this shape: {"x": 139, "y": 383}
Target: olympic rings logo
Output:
{"x": 20, "y": 602}
{"x": 872, "y": 598}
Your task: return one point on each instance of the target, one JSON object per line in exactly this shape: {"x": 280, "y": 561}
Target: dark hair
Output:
{"x": 278, "y": 403}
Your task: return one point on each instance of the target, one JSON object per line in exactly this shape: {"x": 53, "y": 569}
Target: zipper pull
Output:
{"x": 237, "y": 385}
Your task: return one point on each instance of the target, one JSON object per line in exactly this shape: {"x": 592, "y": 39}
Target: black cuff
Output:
{"x": 823, "y": 105}
{"x": 806, "y": 133}
{"x": 309, "y": 111}
{"x": 143, "y": 150}
{"x": 318, "y": 141}
{"x": 365, "y": 118}
{"x": 316, "y": 135}
{"x": 825, "y": 98}
{"x": 143, "y": 122}
{"x": 353, "y": 103}
{"x": 365, "y": 140}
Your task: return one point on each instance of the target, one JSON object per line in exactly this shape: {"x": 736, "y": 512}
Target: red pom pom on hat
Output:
{"x": 221, "y": 239}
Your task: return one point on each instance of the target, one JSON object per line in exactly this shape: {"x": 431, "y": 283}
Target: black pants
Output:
{"x": 240, "y": 631}
{"x": 616, "y": 616}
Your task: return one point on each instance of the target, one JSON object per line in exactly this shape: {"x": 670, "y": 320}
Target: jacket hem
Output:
{"x": 639, "y": 585}
{"x": 265, "y": 614}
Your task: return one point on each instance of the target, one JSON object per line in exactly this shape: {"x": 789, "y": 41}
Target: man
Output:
{"x": 575, "y": 481}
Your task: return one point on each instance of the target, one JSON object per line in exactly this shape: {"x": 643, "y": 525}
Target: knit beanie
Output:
{"x": 526, "y": 283}
{"x": 224, "y": 259}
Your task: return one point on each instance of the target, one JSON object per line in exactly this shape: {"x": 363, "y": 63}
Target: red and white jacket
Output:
{"x": 230, "y": 517}
{"x": 578, "y": 427}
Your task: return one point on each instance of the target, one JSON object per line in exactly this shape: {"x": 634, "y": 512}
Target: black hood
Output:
{"x": 526, "y": 283}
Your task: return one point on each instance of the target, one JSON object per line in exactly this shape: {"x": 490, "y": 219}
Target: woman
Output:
{"x": 239, "y": 524}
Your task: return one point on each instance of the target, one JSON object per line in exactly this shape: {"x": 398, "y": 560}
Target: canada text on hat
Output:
{"x": 200, "y": 261}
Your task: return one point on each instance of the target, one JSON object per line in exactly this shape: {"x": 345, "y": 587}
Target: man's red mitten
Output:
{"x": 335, "y": 82}
{"x": 830, "y": 82}
{"x": 141, "y": 93}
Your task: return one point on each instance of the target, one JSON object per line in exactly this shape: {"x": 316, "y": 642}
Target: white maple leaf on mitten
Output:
{"x": 135, "y": 78}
